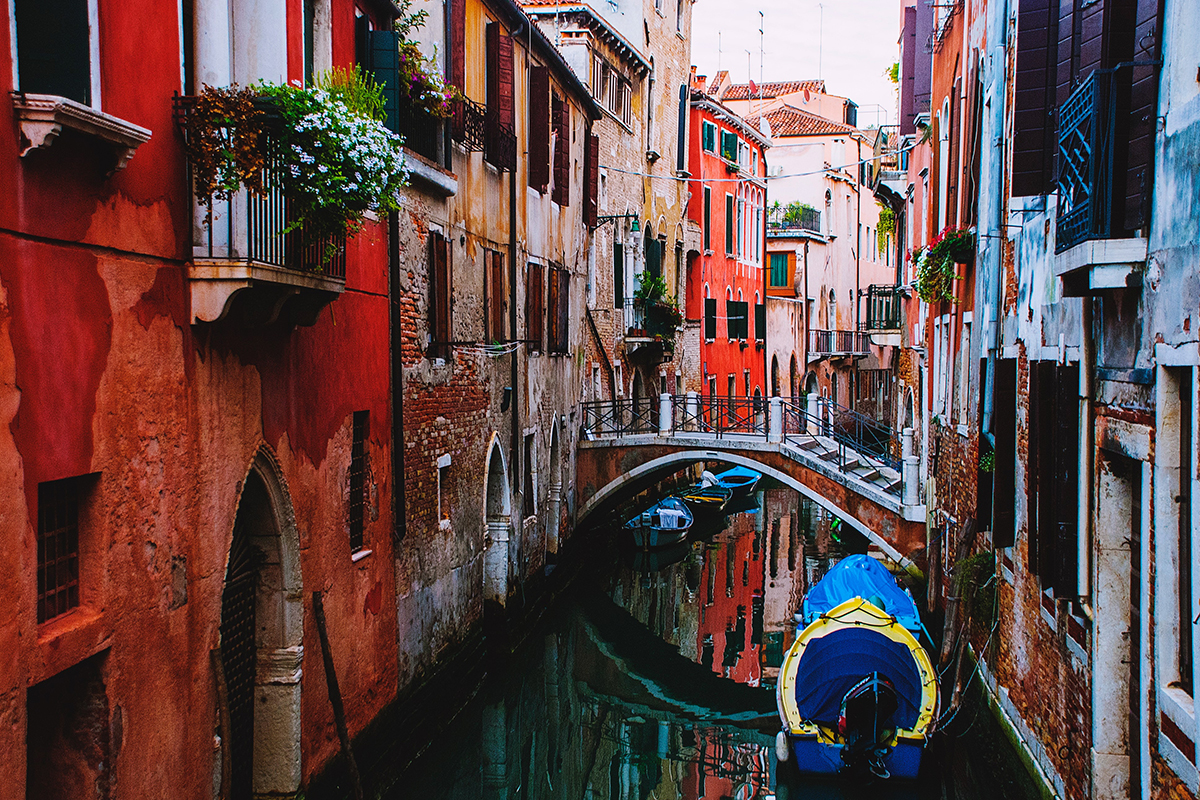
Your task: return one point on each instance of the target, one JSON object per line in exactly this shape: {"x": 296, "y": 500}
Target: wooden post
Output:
{"x": 224, "y": 724}
{"x": 335, "y": 695}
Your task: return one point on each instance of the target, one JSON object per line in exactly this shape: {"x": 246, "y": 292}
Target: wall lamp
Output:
{"x": 634, "y": 228}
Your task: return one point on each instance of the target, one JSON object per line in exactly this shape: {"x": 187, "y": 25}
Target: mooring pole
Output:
{"x": 335, "y": 695}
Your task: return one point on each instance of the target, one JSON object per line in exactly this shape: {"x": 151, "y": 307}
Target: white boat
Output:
{"x": 666, "y": 522}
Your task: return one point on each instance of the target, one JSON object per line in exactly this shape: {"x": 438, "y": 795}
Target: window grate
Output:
{"x": 58, "y": 548}
{"x": 357, "y": 505}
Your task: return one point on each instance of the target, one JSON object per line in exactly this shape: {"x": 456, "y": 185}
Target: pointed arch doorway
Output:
{"x": 260, "y": 649}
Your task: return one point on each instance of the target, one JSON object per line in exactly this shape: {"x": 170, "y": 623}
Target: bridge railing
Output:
{"x": 621, "y": 417}
{"x": 697, "y": 413}
{"x": 803, "y": 423}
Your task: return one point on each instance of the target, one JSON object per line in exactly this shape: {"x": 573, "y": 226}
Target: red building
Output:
{"x": 726, "y": 283}
{"x": 195, "y": 436}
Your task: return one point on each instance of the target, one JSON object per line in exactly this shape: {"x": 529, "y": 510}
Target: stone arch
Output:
{"x": 657, "y": 466}
{"x": 775, "y": 376}
{"x": 794, "y": 379}
{"x": 497, "y": 517}
{"x": 554, "y": 498}
{"x": 261, "y": 637}
{"x": 811, "y": 385}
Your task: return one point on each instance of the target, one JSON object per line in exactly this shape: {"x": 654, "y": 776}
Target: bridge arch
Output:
{"x": 640, "y": 476}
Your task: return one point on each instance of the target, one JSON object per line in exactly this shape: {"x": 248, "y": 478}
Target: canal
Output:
{"x": 654, "y": 676}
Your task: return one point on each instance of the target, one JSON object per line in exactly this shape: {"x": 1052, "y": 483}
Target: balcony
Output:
{"x": 1085, "y": 157}
{"x": 824, "y": 344}
{"x": 482, "y": 131}
{"x": 884, "y": 304}
{"x": 247, "y": 265}
{"x": 793, "y": 219}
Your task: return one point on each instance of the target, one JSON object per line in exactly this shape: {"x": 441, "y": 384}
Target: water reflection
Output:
{"x": 656, "y": 678}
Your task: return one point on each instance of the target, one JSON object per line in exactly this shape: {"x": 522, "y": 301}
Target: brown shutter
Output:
{"x": 564, "y": 309}
{"x": 1047, "y": 511}
{"x": 1067, "y": 61}
{"x": 539, "y": 128}
{"x": 499, "y": 74}
{"x": 552, "y": 311}
{"x": 492, "y": 36}
{"x": 1034, "y": 141}
{"x": 1004, "y": 426}
{"x": 534, "y": 309}
{"x": 591, "y": 180}
{"x": 561, "y": 110}
{"x": 1066, "y": 473}
{"x": 440, "y": 282}
{"x": 1142, "y": 112}
{"x": 495, "y": 273}
{"x": 458, "y": 43}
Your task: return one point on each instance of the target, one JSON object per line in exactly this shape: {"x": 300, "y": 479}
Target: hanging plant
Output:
{"x": 422, "y": 89}
{"x": 886, "y": 227}
{"x": 225, "y": 137}
{"x": 935, "y": 264}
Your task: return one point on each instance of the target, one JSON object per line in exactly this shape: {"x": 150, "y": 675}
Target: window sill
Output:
{"x": 359, "y": 555}
{"x": 42, "y": 117}
{"x": 66, "y": 640}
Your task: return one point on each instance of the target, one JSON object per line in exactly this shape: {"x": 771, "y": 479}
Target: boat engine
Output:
{"x": 866, "y": 727}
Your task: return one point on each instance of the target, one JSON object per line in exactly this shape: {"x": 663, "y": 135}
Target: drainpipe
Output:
{"x": 514, "y": 358}
{"x": 399, "y": 504}
{"x": 1087, "y": 361}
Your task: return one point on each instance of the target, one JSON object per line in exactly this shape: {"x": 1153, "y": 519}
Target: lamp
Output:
{"x": 634, "y": 226}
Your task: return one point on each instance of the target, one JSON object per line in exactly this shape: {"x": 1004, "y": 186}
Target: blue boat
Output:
{"x": 664, "y": 523}
{"x": 857, "y": 693}
{"x": 741, "y": 480}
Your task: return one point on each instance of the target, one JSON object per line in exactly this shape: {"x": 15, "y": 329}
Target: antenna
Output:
{"x": 820, "y": 39}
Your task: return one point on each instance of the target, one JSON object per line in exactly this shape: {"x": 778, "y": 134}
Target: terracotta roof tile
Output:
{"x": 741, "y": 91}
{"x": 788, "y": 121}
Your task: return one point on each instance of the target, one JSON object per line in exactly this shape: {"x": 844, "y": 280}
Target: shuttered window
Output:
{"x": 1034, "y": 138}
{"x": 708, "y": 137}
{"x": 1004, "y": 426}
{"x": 618, "y": 275}
{"x": 779, "y": 270}
{"x": 710, "y": 318}
{"x": 357, "y": 499}
{"x": 760, "y": 322}
{"x": 440, "y": 295}
{"x": 535, "y": 307}
{"x": 736, "y": 312}
{"x": 681, "y": 158}
{"x": 1054, "y": 475}
{"x": 458, "y": 43}
{"x": 54, "y": 49}
{"x": 1143, "y": 106}
{"x": 729, "y": 146}
{"x": 539, "y": 128}
{"x": 383, "y": 62}
{"x": 560, "y": 111}
{"x": 728, "y": 224}
{"x": 591, "y": 171}
{"x": 654, "y": 250}
{"x": 494, "y": 265}
{"x": 707, "y": 217}
{"x": 558, "y": 310}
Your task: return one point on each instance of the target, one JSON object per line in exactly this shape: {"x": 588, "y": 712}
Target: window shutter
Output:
{"x": 553, "y": 321}
{"x": 653, "y": 266}
{"x": 1004, "y": 418}
{"x": 1142, "y": 112}
{"x": 383, "y": 54}
{"x": 534, "y": 309}
{"x": 707, "y": 218}
{"x": 591, "y": 180}
{"x": 564, "y": 310}
{"x": 441, "y": 302}
{"x": 710, "y": 318}
{"x": 681, "y": 159}
{"x": 618, "y": 275}
{"x": 1047, "y": 521}
{"x": 561, "y": 113}
{"x": 731, "y": 326}
{"x": 760, "y": 322}
{"x": 496, "y": 295}
{"x": 539, "y": 128}
{"x": 728, "y": 224}
{"x": 458, "y": 43}
{"x": 53, "y": 48}
{"x": 1066, "y": 469}
{"x": 504, "y": 96}
{"x": 1031, "y": 469}
{"x": 1035, "y": 140}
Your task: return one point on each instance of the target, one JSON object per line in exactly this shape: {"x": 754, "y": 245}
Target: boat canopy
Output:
{"x": 861, "y": 576}
{"x": 832, "y": 664}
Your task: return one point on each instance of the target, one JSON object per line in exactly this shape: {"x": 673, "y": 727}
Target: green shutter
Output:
{"x": 384, "y": 64}
{"x": 710, "y": 318}
{"x": 760, "y": 321}
{"x": 779, "y": 269}
{"x": 728, "y": 224}
{"x": 618, "y": 275}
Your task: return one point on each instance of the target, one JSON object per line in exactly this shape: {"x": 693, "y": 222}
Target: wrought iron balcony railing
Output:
{"x": 884, "y": 304}
{"x": 259, "y": 228}
{"x": 468, "y": 125}
{"x": 1085, "y": 163}
{"x": 793, "y": 218}
{"x": 500, "y": 144}
{"x": 838, "y": 343}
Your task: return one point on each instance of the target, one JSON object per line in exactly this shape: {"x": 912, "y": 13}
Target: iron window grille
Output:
{"x": 58, "y": 547}
{"x": 357, "y": 501}
{"x": 883, "y": 308}
{"x": 1085, "y": 163}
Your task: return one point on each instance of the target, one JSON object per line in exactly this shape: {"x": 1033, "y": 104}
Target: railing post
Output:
{"x": 692, "y": 410}
{"x": 814, "y": 412}
{"x": 664, "y": 414}
{"x": 910, "y": 475}
{"x": 775, "y": 424}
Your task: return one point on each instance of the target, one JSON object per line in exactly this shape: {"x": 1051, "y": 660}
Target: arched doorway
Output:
{"x": 261, "y": 636}
{"x": 794, "y": 380}
{"x": 775, "y": 376}
{"x": 554, "y": 504}
{"x": 497, "y": 512}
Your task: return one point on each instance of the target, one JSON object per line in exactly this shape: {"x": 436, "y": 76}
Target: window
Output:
{"x": 440, "y": 296}
{"x": 728, "y": 224}
{"x": 964, "y": 368}
{"x": 500, "y": 105}
{"x": 560, "y": 113}
{"x": 591, "y": 169}
{"x": 741, "y": 218}
{"x": 707, "y": 218}
{"x": 379, "y": 55}
{"x": 710, "y": 318}
{"x": 443, "y": 489}
{"x": 1053, "y": 468}
{"x": 54, "y": 49}
{"x": 356, "y": 504}
{"x": 527, "y": 485}
{"x": 731, "y": 386}
{"x": 735, "y": 313}
{"x": 729, "y": 146}
{"x": 779, "y": 270}
{"x": 558, "y": 310}
{"x": 535, "y": 308}
{"x": 760, "y": 322}
{"x": 58, "y": 546}
{"x": 539, "y": 128}
{"x": 618, "y": 275}
{"x": 708, "y": 137}
{"x": 496, "y": 295}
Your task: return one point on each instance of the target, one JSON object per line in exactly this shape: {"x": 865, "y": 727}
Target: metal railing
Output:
{"x": 468, "y": 124}
{"x": 500, "y": 143}
{"x": 793, "y": 218}
{"x": 801, "y": 427}
{"x": 719, "y": 415}
{"x": 865, "y": 434}
{"x": 621, "y": 417}
{"x": 829, "y": 343}
{"x": 1085, "y": 163}
{"x": 883, "y": 308}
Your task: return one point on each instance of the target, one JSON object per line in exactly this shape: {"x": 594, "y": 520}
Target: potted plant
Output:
{"x": 936, "y": 263}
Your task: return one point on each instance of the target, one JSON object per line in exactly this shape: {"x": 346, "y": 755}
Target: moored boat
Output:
{"x": 710, "y": 498}
{"x": 742, "y": 480}
{"x": 664, "y": 523}
{"x": 857, "y": 693}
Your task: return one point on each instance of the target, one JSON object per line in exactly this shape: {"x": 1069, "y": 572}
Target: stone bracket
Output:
{"x": 42, "y": 117}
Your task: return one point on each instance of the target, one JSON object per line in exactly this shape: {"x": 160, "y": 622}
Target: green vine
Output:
{"x": 936, "y": 263}
{"x": 887, "y": 226}
{"x": 975, "y": 582}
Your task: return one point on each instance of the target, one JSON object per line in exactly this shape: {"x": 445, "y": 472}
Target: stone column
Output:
{"x": 814, "y": 413}
{"x": 693, "y": 410}
{"x": 495, "y": 562}
{"x": 665, "y": 423}
{"x": 910, "y": 476}
{"x": 775, "y": 429}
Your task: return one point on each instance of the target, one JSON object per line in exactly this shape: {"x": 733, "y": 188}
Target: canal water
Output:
{"x": 654, "y": 677}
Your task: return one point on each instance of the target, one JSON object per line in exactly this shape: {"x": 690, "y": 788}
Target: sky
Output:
{"x": 859, "y": 42}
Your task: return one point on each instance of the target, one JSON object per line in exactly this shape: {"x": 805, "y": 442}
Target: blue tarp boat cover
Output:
{"x": 738, "y": 472}
{"x": 861, "y": 576}
{"x": 834, "y": 663}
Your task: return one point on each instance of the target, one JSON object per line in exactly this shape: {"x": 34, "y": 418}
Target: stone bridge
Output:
{"x": 797, "y": 447}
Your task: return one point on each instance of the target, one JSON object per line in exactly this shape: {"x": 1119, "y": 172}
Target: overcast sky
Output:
{"x": 859, "y": 44}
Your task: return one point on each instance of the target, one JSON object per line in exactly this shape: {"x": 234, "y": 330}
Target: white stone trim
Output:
{"x": 42, "y": 117}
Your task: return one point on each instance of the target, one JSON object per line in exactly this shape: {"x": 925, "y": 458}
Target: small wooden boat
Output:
{"x": 666, "y": 522}
{"x": 857, "y": 692}
{"x": 741, "y": 480}
{"x": 710, "y": 498}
